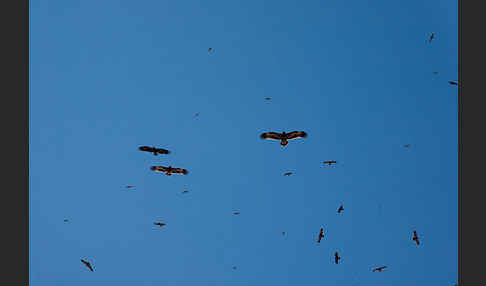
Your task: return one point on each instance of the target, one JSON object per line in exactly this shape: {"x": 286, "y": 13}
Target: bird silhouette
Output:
{"x": 161, "y": 224}
{"x": 288, "y": 174}
{"x": 236, "y": 213}
{"x": 415, "y": 237}
{"x": 336, "y": 257}
{"x": 329, "y": 163}
{"x": 340, "y": 209}
{"x": 379, "y": 268}
{"x": 87, "y": 264}
{"x": 321, "y": 235}
{"x": 431, "y": 37}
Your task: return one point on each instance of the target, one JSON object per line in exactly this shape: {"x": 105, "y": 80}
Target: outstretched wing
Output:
{"x": 179, "y": 171}
{"x": 159, "y": 169}
{"x": 296, "y": 134}
{"x": 146, "y": 149}
{"x": 271, "y": 135}
{"x": 162, "y": 151}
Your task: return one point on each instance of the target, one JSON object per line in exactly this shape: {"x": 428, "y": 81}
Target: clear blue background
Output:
{"x": 109, "y": 76}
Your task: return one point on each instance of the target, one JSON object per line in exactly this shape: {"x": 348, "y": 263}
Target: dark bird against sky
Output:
{"x": 288, "y": 174}
{"x": 154, "y": 150}
{"x": 283, "y": 137}
{"x": 379, "y": 268}
{"x": 168, "y": 170}
{"x": 336, "y": 257}
{"x": 236, "y": 213}
{"x": 432, "y": 36}
{"x": 340, "y": 209}
{"x": 329, "y": 163}
{"x": 161, "y": 224}
{"x": 453, "y": 83}
{"x": 321, "y": 235}
{"x": 415, "y": 237}
{"x": 87, "y": 264}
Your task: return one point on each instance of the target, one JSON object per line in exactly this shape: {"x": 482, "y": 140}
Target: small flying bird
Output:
{"x": 185, "y": 191}
{"x": 66, "y": 220}
{"x": 209, "y": 49}
{"x": 87, "y": 264}
{"x": 329, "y": 163}
{"x": 406, "y": 145}
{"x": 379, "y": 268}
{"x": 236, "y": 213}
{"x": 321, "y": 235}
{"x": 288, "y": 174}
{"x": 431, "y": 37}
{"x": 161, "y": 224}
{"x": 283, "y": 137}
{"x": 436, "y": 73}
{"x": 154, "y": 150}
{"x": 453, "y": 83}
{"x": 415, "y": 237}
{"x": 283, "y": 233}
{"x": 168, "y": 170}
{"x": 196, "y": 114}
{"x": 268, "y": 98}
{"x": 130, "y": 187}
{"x": 336, "y": 257}
{"x": 234, "y": 267}
{"x": 340, "y": 209}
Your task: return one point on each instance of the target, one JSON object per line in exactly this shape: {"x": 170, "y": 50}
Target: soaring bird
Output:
{"x": 336, "y": 257}
{"x": 288, "y": 174}
{"x": 415, "y": 237}
{"x": 234, "y": 267}
{"x": 321, "y": 235}
{"x": 379, "y": 268}
{"x": 161, "y": 224}
{"x": 268, "y": 98}
{"x": 453, "y": 83}
{"x": 431, "y": 37}
{"x": 340, "y": 209}
{"x": 154, "y": 150}
{"x": 436, "y": 73}
{"x": 283, "y": 233}
{"x": 210, "y": 49}
{"x": 329, "y": 162}
{"x": 283, "y": 137}
{"x": 87, "y": 264}
{"x": 185, "y": 191}
{"x": 66, "y": 220}
{"x": 130, "y": 187}
{"x": 168, "y": 170}
{"x": 236, "y": 213}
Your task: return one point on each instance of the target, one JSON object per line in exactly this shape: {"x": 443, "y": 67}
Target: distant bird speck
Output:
{"x": 168, "y": 170}
{"x": 283, "y": 137}
{"x": 336, "y": 257}
{"x": 66, "y": 220}
{"x": 154, "y": 150}
{"x": 236, "y": 213}
{"x": 436, "y": 73}
{"x": 283, "y": 233}
{"x": 453, "y": 83}
{"x": 161, "y": 224}
{"x": 340, "y": 209}
{"x": 288, "y": 174}
{"x": 234, "y": 267}
{"x": 196, "y": 114}
{"x": 379, "y": 268}
{"x": 321, "y": 235}
{"x": 329, "y": 163}
{"x": 268, "y": 98}
{"x": 415, "y": 237}
{"x": 210, "y": 49}
{"x": 432, "y": 36}
{"x": 185, "y": 191}
{"x": 406, "y": 145}
{"x": 87, "y": 264}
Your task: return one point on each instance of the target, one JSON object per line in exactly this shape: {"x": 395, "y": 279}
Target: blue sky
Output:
{"x": 109, "y": 76}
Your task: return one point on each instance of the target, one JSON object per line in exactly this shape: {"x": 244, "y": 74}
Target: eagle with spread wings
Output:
{"x": 168, "y": 170}
{"x": 154, "y": 150}
{"x": 87, "y": 264}
{"x": 283, "y": 137}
